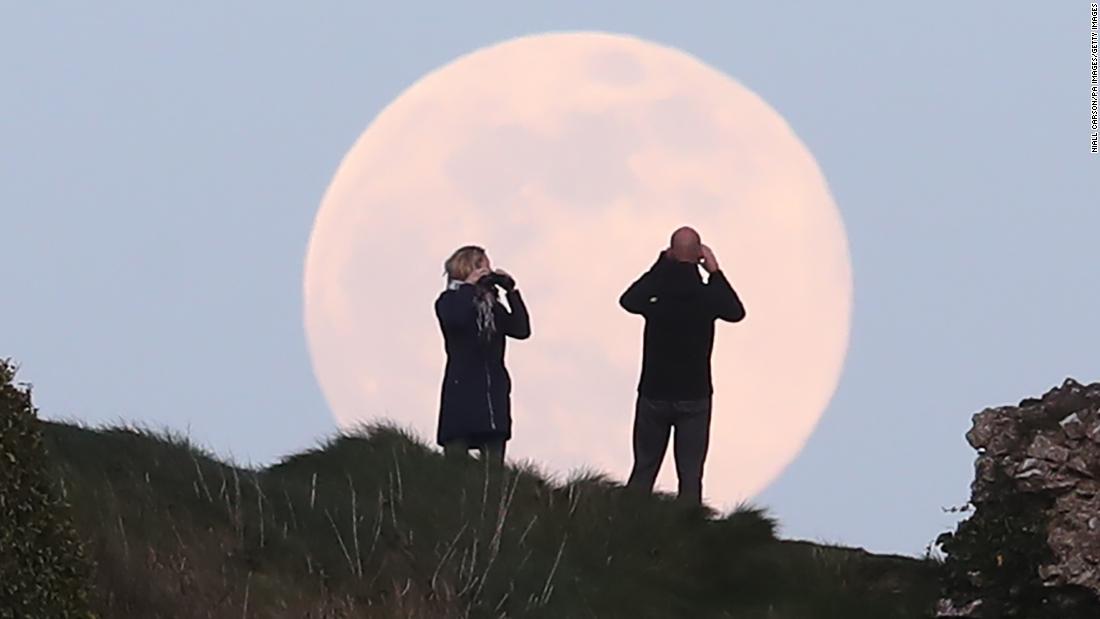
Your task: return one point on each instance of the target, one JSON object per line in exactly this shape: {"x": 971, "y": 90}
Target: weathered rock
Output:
{"x": 985, "y": 428}
{"x": 1073, "y": 427}
{"x": 1093, "y": 431}
{"x": 1069, "y": 397}
{"x": 1044, "y": 448}
{"x": 1089, "y": 415}
{"x": 948, "y": 608}
{"x": 1078, "y": 465}
{"x": 993, "y": 433}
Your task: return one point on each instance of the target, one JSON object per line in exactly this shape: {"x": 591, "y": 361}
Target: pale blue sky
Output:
{"x": 160, "y": 168}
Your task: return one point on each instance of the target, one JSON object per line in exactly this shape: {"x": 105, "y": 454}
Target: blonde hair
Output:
{"x": 463, "y": 262}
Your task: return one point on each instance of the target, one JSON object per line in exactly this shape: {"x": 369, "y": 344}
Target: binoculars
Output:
{"x": 497, "y": 279}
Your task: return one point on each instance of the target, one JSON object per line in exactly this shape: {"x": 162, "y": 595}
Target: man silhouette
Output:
{"x": 675, "y": 388}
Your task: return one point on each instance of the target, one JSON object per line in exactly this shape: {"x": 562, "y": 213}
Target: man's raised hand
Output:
{"x": 710, "y": 263}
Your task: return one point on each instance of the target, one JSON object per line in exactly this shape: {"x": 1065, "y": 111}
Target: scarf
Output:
{"x": 483, "y": 301}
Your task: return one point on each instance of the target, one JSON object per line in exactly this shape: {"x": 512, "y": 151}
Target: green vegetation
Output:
{"x": 43, "y": 572}
{"x": 376, "y": 524}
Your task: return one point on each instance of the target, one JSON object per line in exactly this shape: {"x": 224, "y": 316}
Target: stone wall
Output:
{"x": 1034, "y": 538}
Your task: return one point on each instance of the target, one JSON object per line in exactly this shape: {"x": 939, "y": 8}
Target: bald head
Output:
{"x": 686, "y": 246}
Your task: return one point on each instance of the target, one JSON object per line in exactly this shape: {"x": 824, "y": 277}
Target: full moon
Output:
{"x": 571, "y": 158}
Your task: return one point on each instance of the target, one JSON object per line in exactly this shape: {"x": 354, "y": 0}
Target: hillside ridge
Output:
{"x": 376, "y": 520}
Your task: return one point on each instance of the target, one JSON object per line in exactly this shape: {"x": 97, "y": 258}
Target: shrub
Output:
{"x": 43, "y": 572}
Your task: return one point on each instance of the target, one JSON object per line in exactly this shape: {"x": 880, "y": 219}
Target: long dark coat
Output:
{"x": 475, "y": 401}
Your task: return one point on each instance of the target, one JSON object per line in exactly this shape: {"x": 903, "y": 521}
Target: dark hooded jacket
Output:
{"x": 475, "y": 401}
{"x": 679, "y": 311}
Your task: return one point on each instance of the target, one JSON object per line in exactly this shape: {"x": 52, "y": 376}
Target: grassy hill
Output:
{"x": 376, "y": 524}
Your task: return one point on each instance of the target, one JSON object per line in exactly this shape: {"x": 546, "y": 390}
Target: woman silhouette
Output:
{"x": 475, "y": 401}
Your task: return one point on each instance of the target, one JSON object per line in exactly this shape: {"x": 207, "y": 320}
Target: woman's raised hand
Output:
{"x": 477, "y": 274}
{"x": 510, "y": 284}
